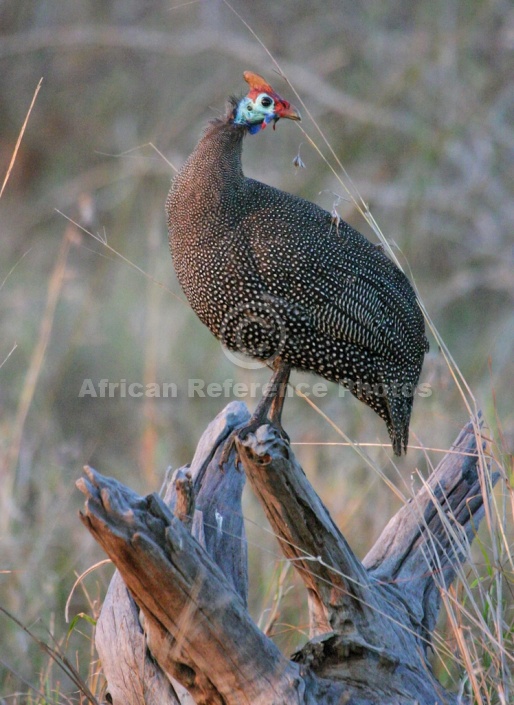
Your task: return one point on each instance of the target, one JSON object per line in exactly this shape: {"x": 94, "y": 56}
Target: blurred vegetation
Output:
{"x": 415, "y": 98}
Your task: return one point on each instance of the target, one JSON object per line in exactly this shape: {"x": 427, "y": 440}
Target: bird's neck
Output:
{"x": 214, "y": 168}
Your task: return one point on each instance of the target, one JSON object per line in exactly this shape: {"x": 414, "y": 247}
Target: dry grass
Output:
{"x": 415, "y": 106}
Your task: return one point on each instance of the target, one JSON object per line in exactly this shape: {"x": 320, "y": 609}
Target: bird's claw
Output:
{"x": 240, "y": 434}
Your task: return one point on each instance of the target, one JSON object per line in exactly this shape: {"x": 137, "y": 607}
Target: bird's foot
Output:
{"x": 241, "y": 433}
{"x": 268, "y": 411}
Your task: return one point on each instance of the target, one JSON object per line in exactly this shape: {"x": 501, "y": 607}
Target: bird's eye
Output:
{"x": 266, "y": 101}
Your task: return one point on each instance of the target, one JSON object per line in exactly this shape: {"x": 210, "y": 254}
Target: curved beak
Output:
{"x": 286, "y": 110}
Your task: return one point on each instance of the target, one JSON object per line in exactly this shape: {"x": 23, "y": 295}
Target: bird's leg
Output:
{"x": 271, "y": 405}
{"x": 269, "y": 409}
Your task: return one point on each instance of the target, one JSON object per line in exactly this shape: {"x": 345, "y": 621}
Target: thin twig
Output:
{"x": 20, "y": 137}
{"x": 32, "y": 375}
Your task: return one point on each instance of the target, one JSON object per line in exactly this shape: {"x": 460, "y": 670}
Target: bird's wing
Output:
{"x": 345, "y": 285}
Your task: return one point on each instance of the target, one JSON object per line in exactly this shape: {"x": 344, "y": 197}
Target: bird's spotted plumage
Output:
{"x": 272, "y": 274}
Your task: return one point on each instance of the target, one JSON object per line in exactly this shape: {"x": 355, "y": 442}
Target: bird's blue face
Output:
{"x": 255, "y": 113}
{"x": 259, "y": 108}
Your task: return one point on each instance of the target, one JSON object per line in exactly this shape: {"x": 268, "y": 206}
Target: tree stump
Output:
{"x": 175, "y": 629}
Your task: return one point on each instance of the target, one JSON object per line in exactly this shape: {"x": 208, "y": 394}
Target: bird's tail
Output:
{"x": 399, "y": 408}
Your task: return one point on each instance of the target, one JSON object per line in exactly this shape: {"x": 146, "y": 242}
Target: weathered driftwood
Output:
{"x": 370, "y": 622}
{"x": 208, "y": 503}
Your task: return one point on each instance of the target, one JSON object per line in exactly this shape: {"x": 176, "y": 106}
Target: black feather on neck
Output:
{"x": 231, "y": 107}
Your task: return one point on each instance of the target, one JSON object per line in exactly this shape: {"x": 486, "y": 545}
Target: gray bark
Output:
{"x": 183, "y": 622}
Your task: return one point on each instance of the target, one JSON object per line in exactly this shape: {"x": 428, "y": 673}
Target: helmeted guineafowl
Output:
{"x": 272, "y": 275}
